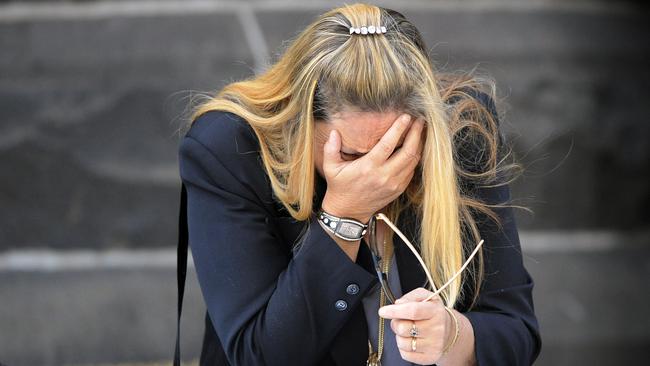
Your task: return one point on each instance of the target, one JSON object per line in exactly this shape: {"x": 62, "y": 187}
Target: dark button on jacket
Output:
{"x": 352, "y": 289}
{"x": 341, "y": 305}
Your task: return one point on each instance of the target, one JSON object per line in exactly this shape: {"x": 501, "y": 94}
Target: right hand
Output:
{"x": 361, "y": 187}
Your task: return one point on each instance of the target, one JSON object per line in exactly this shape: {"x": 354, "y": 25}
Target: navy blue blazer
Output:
{"x": 269, "y": 306}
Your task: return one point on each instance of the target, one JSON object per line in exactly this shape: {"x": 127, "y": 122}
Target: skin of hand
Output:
{"x": 368, "y": 160}
{"x": 434, "y": 325}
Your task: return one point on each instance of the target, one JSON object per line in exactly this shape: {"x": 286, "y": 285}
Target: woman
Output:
{"x": 352, "y": 121}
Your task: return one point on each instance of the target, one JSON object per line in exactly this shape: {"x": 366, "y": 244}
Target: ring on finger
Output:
{"x": 414, "y": 330}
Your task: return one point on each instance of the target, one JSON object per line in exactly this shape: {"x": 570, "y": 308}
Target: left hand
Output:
{"x": 432, "y": 322}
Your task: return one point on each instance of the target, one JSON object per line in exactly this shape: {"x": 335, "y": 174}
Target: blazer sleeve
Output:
{"x": 506, "y": 331}
{"x": 267, "y": 307}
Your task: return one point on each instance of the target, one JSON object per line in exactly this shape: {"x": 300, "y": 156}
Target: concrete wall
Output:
{"x": 92, "y": 97}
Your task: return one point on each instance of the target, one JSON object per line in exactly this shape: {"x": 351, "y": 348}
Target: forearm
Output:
{"x": 291, "y": 320}
{"x": 462, "y": 352}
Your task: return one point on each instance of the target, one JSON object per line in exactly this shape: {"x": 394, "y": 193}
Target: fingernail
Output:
{"x": 406, "y": 117}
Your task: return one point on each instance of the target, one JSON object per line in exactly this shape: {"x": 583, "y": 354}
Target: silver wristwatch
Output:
{"x": 343, "y": 227}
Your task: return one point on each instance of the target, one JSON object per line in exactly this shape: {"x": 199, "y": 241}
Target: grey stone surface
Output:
{"x": 96, "y": 316}
{"x": 88, "y": 124}
{"x": 590, "y": 305}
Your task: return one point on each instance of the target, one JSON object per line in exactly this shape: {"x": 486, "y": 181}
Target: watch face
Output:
{"x": 349, "y": 230}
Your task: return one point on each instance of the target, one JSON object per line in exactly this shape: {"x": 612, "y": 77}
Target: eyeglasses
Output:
{"x": 378, "y": 260}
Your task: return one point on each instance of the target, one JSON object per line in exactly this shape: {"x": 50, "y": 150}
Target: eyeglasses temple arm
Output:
{"x": 426, "y": 270}
{"x": 457, "y": 273}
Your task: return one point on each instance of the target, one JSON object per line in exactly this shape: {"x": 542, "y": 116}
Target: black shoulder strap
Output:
{"x": 181, "y": 268}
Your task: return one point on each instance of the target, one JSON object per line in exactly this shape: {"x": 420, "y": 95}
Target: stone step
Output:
{"x": 590, "y": 305}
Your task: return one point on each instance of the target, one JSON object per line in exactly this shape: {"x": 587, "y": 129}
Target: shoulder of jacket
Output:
{"x": 235, "y": 161}
{"x": 224, "y": 134}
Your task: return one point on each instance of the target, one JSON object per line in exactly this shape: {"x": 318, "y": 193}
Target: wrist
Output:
{"x": 348, "y": 229}
{"x": 332, "y": 209}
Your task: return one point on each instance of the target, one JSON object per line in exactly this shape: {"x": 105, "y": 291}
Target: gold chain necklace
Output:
{"x": 374, "y": 358}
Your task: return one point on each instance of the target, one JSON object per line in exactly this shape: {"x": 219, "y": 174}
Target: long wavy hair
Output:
{"x": 325, "y": 68}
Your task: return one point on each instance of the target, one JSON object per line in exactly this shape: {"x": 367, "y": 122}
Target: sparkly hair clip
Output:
{"x": 368, "y": 30}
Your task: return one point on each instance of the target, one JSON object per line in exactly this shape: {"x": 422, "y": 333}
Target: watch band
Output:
{"x": 342, "y": 227}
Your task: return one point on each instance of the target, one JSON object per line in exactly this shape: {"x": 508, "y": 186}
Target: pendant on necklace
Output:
{"x": 373, "y": 360}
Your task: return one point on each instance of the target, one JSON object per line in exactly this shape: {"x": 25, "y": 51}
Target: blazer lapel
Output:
{"x": 414, "y": 276}
{"x": 411, "y": 274}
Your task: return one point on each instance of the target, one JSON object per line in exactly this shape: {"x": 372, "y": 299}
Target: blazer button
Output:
{"x": 352, "y": 289}
{"x": 341, "y": 305}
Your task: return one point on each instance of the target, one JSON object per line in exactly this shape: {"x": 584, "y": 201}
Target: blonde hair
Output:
{"x": 326, "y": 68}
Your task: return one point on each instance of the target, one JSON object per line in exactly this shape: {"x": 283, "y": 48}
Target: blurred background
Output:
{"x": 93, "y": 93}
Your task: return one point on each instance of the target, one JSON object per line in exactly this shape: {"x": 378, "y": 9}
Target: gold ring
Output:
{"x": 413, "y": 340}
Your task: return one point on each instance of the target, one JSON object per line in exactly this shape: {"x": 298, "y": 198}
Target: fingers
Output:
{"x": 417, "y": 294}
{"x": 402, "y": 327}
{"x": 331, "y": 151}
{"x": 411, "y": 151}
{"x": 424, "y": 344}
{"x": 414, "y": 310}
{"x": 386, "y": 145}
